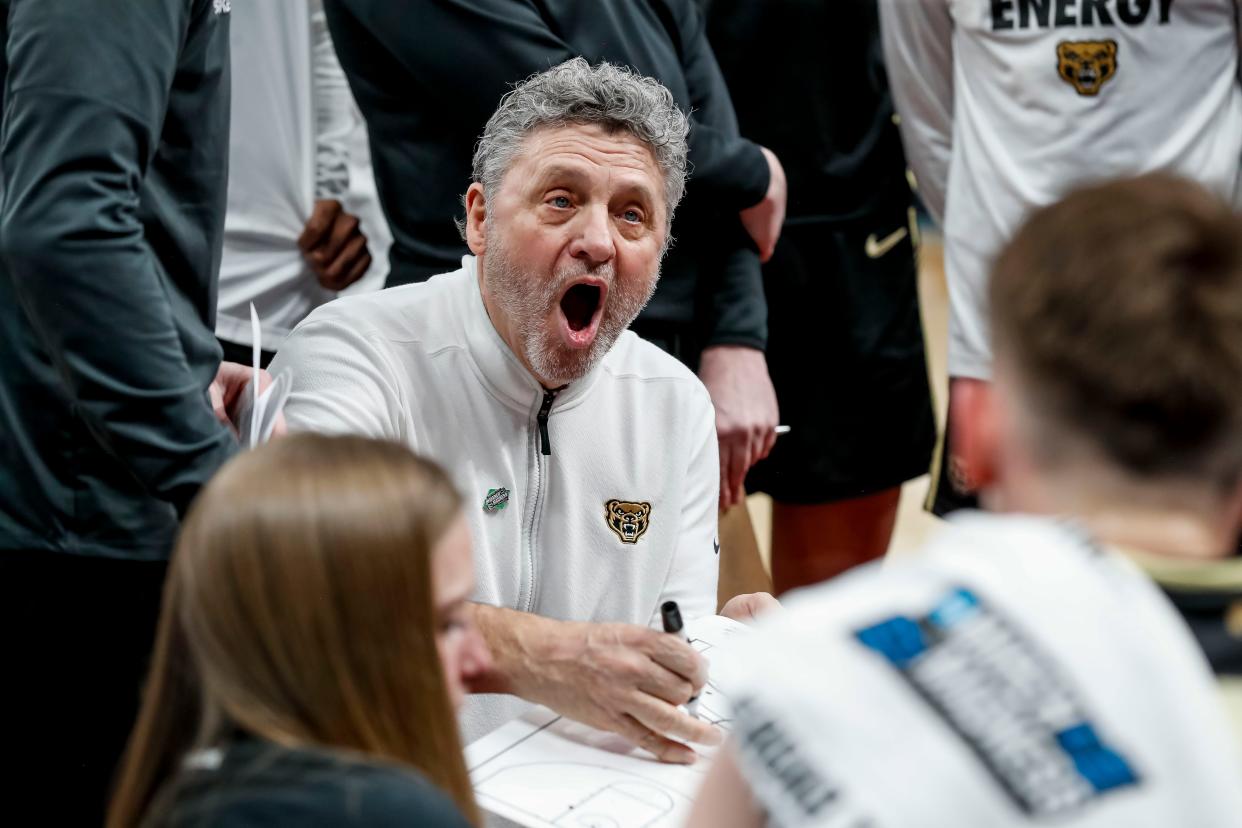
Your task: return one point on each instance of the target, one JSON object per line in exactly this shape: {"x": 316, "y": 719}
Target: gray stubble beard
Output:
{"x": 530, "y": 303}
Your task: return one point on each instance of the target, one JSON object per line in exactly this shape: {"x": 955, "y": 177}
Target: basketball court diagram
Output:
{"x": 545, "y": 771}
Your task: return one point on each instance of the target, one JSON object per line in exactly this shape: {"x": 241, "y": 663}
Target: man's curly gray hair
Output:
{"x": 575, "y": 92}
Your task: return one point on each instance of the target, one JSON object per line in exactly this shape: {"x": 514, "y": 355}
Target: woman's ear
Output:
{"x": 476, "y": 219}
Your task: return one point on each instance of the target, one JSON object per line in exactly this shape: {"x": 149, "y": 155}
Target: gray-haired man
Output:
{"x": 587, "y": 456}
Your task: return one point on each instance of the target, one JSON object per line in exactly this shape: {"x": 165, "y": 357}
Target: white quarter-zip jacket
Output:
{"x": 1006, "y": 105}
{"x": 295, "y": 136}
{"x": 1013, "y": 673}
{"x": 611, "y": 498}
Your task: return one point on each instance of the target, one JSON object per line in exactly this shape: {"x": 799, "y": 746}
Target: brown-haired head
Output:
{"x": 1119, "y": 309}
{"x": 299, "y": 608}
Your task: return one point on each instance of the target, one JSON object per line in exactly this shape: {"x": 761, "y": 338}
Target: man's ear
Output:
{"x": 476, "y": 219}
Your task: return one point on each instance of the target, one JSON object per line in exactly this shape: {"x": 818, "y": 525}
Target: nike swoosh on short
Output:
{"x": 876, "y": 249}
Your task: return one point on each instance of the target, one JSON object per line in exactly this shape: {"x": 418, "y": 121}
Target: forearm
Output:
{"x": 523, "y": 646}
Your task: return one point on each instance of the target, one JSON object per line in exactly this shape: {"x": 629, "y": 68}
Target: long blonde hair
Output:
{"x": 299, "y": 608}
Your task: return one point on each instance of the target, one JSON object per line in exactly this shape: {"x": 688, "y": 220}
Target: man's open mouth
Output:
{"x": 582, "y": 306}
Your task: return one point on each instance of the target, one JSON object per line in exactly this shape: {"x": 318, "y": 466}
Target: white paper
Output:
{"x": 257, "y": 416}
{"x": 546, "y": 771}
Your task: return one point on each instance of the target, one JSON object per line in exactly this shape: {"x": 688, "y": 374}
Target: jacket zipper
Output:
{"x": 536, "y": 501}
{"x": 545, "y": 439}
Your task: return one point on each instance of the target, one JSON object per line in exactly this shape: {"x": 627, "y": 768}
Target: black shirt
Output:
{"x": 808, "y": 82}
{"x": 114, "y": 155}
{"x": 429, "y": 73}
{"x": 257, "y": 784}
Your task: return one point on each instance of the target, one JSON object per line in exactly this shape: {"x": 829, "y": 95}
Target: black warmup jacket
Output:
{"x": 114, "y": 155}
{"x": 429, "y": 73}
{"x": 808, "y": 82}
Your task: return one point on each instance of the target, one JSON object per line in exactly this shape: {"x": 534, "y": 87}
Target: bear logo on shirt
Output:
{"x": 627, "y": 520}
{"x": 1087, "y": 64}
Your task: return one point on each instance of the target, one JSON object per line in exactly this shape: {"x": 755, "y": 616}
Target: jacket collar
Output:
{"x": 499, "y": 368}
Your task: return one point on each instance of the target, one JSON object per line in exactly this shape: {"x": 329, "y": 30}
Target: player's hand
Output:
{"x": 746, "y": 413}
{"x": 764, "y": 220}
{"x": 746, "y": 608}
{"x": 226, "y": 389}
{"x": 626, "y": 679}
{"x": 334, "y": 245}
{"x": 973, "y": 443}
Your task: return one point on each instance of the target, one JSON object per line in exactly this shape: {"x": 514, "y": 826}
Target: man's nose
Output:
{"x": 592, "y": 241}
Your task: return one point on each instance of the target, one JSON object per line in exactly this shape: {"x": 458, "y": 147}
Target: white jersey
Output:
{"x": 1007, "y": 104}
{"x": 295, "y": 136}
{"x": 618, "y": 516}
{"x": 1011, "y": 674}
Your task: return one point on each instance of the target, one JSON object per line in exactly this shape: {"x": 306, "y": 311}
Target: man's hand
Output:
{"x": 746, "y": 608}
{"x": 763, "y": 221}
{"x": 617, "y": 677}
{"x": 226, "y": 389}
{"x": 335, "y": 246}
{"x": 746, "y": 413}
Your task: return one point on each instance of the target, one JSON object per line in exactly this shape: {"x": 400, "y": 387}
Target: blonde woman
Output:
{"x": 312, "y": 649}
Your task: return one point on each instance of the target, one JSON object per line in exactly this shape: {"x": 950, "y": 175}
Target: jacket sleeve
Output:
{"x": 87, "y": 91}
{"x": 738, "y": 311}
{"x": 335, "y": 120}
{"x": 918, "y": 53}
{"x": 696, "y": 564}
{"x": 342, "y": 382}
{"x": 481, "y": 48}
{"x": 727, "y": 165}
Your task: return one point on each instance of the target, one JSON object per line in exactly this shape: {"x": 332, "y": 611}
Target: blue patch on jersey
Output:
{"x": 1009, "y": 701}
{"x": 899, "y": 639}
{"x": 1103, "y": 767}
{"x": 958, "y": 607}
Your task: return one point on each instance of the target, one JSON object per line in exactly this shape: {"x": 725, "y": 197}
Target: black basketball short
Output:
{"x": 846, "y": 354}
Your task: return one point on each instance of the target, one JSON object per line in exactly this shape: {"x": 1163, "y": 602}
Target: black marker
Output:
{"x": 670, "y": 615}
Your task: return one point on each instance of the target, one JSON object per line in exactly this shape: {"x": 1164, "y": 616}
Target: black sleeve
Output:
{"x": 738, "y": 311}
{"x": 479, "y": 48}
{"x": 726, "y": 165}
{"x": 86, "y": 93}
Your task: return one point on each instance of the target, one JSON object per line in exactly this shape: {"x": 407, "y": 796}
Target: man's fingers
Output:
{"x": 673, "y": 723}
{"x": 334, "y": 275}
{"x": 322, "y": 217}
{"x": 360, "y": 268}
{"x": 679, "y": 658}
{"x": 216, "y": 393}
{"x": 666, "y": 750}
{"x": 763, "y": 438}
{"x": 740, "y": 458}
{"x": 344, "y": 229}
{"x": 667, "y": 686}
{"x": 726, "y": 493}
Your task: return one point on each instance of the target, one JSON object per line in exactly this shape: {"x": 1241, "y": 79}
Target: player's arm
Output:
{"x": 87, "y": 89}
{"x": 918, "y": 53}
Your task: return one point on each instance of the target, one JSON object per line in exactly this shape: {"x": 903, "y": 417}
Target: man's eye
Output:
{"x": 561, "y": 202}
{"x": 632, "y": 216}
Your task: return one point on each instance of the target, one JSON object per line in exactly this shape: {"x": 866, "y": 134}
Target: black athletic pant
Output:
{"x": 76, "y": 634}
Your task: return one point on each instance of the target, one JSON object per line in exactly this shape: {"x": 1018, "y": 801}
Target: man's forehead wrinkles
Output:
{"x": 591, "y": 144}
